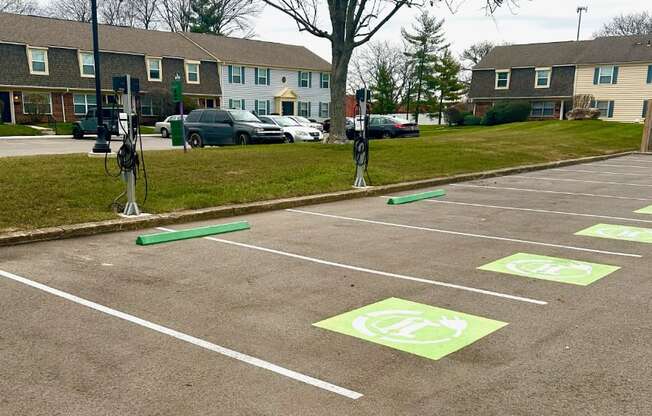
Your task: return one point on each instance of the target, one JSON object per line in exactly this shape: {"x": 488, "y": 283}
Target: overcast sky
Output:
{"x": 533, "y": 21}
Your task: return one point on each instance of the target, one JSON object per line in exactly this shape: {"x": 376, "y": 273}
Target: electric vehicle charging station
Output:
{"x": 361, "y": 140}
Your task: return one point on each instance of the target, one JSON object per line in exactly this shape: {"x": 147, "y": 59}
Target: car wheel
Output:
{"x": 77, "y": 133}
{"x": 289, "y": 138}
{"x": 165, "y": 133}
{"x": 195, "y": 140}
{"x": 242, "y": 139}
{"x": 386, "y": 135}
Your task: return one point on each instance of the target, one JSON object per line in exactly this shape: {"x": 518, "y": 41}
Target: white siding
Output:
{"x": 250, "y": 92}
{"x": 627, "y": 94}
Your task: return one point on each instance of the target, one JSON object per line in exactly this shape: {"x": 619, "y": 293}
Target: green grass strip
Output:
{"x": 397, "y": 200}
{"x": 149, "y": 239}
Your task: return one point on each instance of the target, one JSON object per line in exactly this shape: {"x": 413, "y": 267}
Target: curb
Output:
{"x": 157, "y": 220}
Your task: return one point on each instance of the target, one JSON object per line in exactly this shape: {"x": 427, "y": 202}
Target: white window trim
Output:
{"x": 36, "y": 92}
{"x": 185, "y": 65}
{"x": 86, "y": 104}
{"x": 611, "y": 76}
{"x": 536, "y": 77}
{"x": 321, "y": 80}
{"x": 307, "y": 73}
{"x": 160, "y": 68}
{"x": 262, "y": 71}
{"x": 81, "y": 64}
{"x": 29, "y": 61}
{"x": 509, "y": 78}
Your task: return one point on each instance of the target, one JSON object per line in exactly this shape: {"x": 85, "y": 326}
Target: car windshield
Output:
{"x": 286, "y": 122}
{"x": 302, "y": 120}
{"x": 241, "y": 115}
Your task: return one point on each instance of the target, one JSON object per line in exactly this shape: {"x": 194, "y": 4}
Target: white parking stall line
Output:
{"x": 541, "y": 191}
{"x": 544, "y": 178}
{"x": 463, "y": 234}
{"x": 257, "y": 362}
{"x": 373, "y": 271}
{"x": 599, "y": 172}
{"x": 610, "y": 165}
{"x": 541, "y": 211}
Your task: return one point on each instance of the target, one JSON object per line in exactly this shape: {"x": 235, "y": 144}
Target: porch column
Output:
{"x": 11, "y": 107}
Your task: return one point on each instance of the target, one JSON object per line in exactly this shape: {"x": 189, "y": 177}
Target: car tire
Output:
{"x": 77, "y": 133}
{"x": 195, "y": 140}
{"x": 386, "y": 135}
{"x": 242, "y": 139}
{"x": 289, "y": 138}
{"x": 165, "y": 133}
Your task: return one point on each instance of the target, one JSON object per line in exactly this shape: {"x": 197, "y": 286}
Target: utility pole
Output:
{"x": 101, "y": 145}
{"x": 580, "y": 9}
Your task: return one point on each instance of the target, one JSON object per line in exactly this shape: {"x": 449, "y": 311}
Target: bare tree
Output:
{"x": 224, "y": 17}
{"x": 117, "y": 12}
{"x": 145, "y": 12}
{"x": 627, "y": 24}
{"x": 474, "y": 53}
{"x": 176, "y": 14}
{"x": 79, "y": 10}
{"x": 18, "y": 6}
{"x": 352, "y": 24}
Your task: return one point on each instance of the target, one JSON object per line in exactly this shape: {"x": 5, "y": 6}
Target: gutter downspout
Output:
{"x": 12, "y": 110}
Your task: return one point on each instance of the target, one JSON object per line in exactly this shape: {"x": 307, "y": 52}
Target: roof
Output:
{"x": 257, "y": 52}
{"x": 49, "y": 32}
{"x": 602, "y": 50}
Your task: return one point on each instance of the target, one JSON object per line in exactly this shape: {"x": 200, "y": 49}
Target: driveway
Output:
{"x": 53, "y": 146}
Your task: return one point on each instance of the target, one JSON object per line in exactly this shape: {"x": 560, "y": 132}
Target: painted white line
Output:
{"x": 187, "y": 338}
{"x": 488, "y": 237}
{"x": 622, "y": 166}
{"x": 544, "y": 178}
{"x": 542, "y": 211}
{"x": 599, "y": 172}
{"x": 372, "y": 271}
{"x": 549, "y": 192}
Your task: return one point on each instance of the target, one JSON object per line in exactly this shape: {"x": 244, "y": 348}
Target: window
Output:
{"x": 605, "y": 75}
{"x": 37, "y": 103}
{"x": 262, "y": 107}
{"x": 324, "y": 80}
{"x": 149, "y": 106}
{"x": 38, "y": 61}
{"x": 305, "y": 79}
{"x": 236, "y": 104}
{"x": 324, "y": 110}
{"x": 543, "y": 109}
{"x": 154, "y": 71}
{"x": 649, "y": 74}
{"x": 542, "y": 77}
{"x": 502, "y": 79}
{"x": 606, "y": 108}
{"x": 86, "y": 65}
{"x": 262, "y": 76}
{"x": 210, "y": 103}
{"x": 192, "y": 72}
{"x": 83, "y": 103}
{"x": 304, "y": 109}
{"x": 236, "y": 74}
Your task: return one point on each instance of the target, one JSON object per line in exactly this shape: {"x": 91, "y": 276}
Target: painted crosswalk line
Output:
{"x": 412, "y": 327}
{"x": 646, "y": 210}
{"x": 619, "y": 232}
{"x": 551, "y": 268}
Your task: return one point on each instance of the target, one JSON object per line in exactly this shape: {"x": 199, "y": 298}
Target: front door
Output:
{"x": 5, "y": 110}
{"x": 288, "y": 108}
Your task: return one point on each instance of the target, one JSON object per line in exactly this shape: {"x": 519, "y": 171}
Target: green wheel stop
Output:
{"x": 164, "y": 237}
{"x": 397, "y": 200}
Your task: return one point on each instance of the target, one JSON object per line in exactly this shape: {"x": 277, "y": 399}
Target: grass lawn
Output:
{"x": 42, "y": 191}
{"x": 17, "y": 130}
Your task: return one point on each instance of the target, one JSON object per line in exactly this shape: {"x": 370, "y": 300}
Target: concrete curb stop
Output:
{"x": 158, "y": 220}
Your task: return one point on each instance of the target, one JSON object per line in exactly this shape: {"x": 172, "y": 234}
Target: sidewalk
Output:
{"x": 60, "y": 136}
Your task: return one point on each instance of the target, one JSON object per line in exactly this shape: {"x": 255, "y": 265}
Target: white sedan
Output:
{"x": 163, "y": 127}
{"x": 293, "y": 130}
{"x": 308, "y": 123}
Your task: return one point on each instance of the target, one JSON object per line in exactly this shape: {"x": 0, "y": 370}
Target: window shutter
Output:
{"x": 614, "y": 79}
{"x": 299, "y": 78}
{"x": 649, "y": 74}
{"x": 321, "y": 81}
{"x": 611, "y": 109}
{"x": 309, "y": 104}
{"x": 644, "y": 109}
{"x": 256, "y": 106}
{"x": 269, "y": 76}
{"x": 310, "y": 80}
{"x": 269, "y": 107}
{"x": 242, "y": 74}
{"x": 256, "y": 76}
{"x": 230, "y": 74}
{"x": 596, "y": 75}
{"x": 230, "y": 103}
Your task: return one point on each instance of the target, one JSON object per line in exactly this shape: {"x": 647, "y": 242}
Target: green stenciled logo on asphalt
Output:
{"x": 646, "y": 210}
{"x": 619, "y": 232}
{"x": 551, "y": 268}
{"x": 419, "y": 329}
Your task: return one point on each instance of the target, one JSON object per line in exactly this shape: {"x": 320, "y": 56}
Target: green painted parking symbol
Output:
{"x": 551, "y": 268}
{"x": 412, "y": 327}
{"x": 619, "y": 232}
{"x": 646, "y": 210}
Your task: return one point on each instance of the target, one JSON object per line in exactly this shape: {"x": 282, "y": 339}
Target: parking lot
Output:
{"x": 484, "y": 302}
{"x": 30, "y": 146}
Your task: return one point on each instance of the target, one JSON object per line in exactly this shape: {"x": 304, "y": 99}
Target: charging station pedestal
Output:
{"x": 129, "y": 176}
{"x": 361, "y": 141}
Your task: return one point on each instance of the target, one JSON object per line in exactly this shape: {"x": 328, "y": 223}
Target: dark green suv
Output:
{"x": 223, "y": 127}
{"x": 88, "y": 124}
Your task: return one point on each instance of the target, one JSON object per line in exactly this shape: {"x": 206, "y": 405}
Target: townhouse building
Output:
{"x": 47, "y": 71}
{"x": 616, "y": 71}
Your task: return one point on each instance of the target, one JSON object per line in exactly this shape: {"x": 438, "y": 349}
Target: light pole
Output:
{"x": 580, "y": 9}
{"x": 101, "y": 145}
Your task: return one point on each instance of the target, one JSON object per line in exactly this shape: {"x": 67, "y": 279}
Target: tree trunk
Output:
{"x": 441, "y": 105}
{"x": 341, "y": 58}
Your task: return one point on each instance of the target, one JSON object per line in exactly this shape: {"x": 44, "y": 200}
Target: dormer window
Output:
{"x": 502, "y": 79}
{"x": 86, "y": 65}
{"x": 154, "y": 71}
{"x": 192, "y": 72}
{"x": 542, "y": 78}
{"x": 38, "y": 61}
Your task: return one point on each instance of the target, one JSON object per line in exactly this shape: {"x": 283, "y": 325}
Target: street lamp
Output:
{"x": 580, "y": 9}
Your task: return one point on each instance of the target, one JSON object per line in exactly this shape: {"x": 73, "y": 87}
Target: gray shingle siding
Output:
{"x": 522, "y": 84}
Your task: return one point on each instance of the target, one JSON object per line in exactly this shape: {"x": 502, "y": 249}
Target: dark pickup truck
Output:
{"x": 215, "y": 127}
{"x": 88, "y": 124}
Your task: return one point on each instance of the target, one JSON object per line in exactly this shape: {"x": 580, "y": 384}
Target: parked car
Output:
{"x": 223, "y": 127}
{"x": 385, "y": 127}
{"x": 88, "y": 123}
{"x": 163, "y": 127}
{"x": 293, "y": 131}
{"x": 305, "y": 122}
